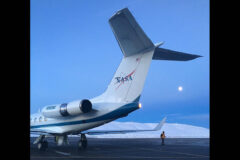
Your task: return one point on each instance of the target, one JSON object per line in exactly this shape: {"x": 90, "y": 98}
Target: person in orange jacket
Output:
{"x": 163, "y": 137}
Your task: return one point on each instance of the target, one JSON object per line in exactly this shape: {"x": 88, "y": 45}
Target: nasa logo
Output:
{"x": 126, "y": 78}
{"x": 129, "y": 77}
{"x": 123, "y": 79}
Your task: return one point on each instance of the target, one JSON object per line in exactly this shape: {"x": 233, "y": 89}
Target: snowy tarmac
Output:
{"x": 106, "y": 148}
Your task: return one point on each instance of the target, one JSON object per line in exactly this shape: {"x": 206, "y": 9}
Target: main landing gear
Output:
{"x": 41, "y": 142}
{"x": 42, "y": 146}
{"x": 82, "y": 143}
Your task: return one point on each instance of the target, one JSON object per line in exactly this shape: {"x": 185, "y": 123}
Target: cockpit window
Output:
{"x": 50, "y": 107}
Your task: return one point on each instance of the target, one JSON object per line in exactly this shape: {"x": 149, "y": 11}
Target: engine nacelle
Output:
{"x": 67, "y": 109}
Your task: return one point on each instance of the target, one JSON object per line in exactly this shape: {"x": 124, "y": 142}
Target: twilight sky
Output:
{"x": 74, "y": 55}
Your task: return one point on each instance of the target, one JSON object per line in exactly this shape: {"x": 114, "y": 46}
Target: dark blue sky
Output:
{"x": 74, "y": 55}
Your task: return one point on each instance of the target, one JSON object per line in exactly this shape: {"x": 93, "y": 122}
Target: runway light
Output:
{"x": 139, "y": 105}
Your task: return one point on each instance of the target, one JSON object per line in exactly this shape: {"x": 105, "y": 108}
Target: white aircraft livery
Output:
{"x": 121, "y": 96}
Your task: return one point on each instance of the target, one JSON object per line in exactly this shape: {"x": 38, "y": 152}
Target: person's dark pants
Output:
{"x": 163, "y": 141}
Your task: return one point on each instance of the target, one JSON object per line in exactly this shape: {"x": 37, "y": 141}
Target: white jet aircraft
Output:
{"x": 121, "y": 96}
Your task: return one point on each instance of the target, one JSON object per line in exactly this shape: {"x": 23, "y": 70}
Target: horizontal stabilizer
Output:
{"x": 166, "y": 54}
{"x": 131, "y": 38}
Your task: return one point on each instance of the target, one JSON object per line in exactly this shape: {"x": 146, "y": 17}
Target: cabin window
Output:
{"x": 35, "y": 120}
{"x": 45, "y": 119}
{"x": 40, "y": 119}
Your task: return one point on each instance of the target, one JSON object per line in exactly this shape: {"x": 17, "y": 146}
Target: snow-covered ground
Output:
{"x": 172, "y": 130}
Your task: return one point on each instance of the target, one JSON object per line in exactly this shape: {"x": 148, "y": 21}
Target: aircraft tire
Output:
{"x": 45, "y": 144}
{"x": 82, "y": 143}
{"x": 42, "y": 146}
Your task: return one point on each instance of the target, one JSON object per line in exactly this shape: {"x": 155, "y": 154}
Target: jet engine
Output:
{"x": 67, "y": 109}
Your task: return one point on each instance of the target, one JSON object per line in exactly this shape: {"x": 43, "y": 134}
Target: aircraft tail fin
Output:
{"x": 138, "y": 50}
{"x": 130, "y": 37}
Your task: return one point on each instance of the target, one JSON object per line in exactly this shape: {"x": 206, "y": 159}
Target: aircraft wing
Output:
{"x": 100, "y": 132}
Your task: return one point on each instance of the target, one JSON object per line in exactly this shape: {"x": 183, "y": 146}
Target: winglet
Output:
{"x": 159, "y": 126}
